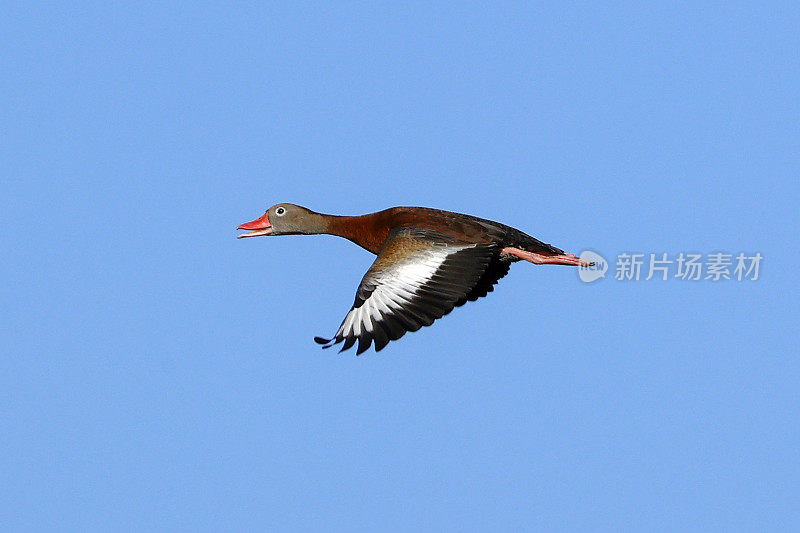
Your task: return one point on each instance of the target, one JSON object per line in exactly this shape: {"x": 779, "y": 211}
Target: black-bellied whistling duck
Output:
{"x": 429, "y": 261}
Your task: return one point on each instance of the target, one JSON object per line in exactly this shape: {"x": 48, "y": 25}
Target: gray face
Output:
{"x": 289, "y": 219}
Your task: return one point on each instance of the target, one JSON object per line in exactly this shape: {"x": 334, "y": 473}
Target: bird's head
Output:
{"x": 284, "y": 219}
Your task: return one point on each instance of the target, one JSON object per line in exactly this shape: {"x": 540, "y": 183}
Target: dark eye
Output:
{"x": 280, "y": 211}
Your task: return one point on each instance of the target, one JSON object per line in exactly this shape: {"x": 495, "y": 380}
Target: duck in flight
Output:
{"x": 429, "y": 262}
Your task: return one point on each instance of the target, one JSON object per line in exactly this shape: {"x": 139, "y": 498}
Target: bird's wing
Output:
{"x": 496, "y": 270}
{"x": 418, "y": 276}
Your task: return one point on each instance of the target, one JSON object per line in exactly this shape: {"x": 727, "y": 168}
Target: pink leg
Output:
{"x": 543, "y": 259}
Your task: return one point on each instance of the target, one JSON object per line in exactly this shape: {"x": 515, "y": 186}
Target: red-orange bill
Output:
{"x": 259, "y": 226}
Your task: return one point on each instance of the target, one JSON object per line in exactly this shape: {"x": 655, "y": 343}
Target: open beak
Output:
{"x": 260, "y": 226}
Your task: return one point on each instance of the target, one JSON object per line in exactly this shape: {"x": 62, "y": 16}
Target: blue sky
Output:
{"x": 158, "y": 373}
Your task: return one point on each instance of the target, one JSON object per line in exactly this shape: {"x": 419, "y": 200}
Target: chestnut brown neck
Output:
{"x": 368, "y": 231}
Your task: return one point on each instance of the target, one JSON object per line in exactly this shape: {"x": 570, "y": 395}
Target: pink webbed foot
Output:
{"x": 544, "y": 259}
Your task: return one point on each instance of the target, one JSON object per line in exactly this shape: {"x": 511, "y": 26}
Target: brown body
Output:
{"x": 372, "y": 231}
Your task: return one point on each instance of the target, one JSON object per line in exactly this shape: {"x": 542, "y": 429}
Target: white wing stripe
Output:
{"x": 403, "y": 282}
